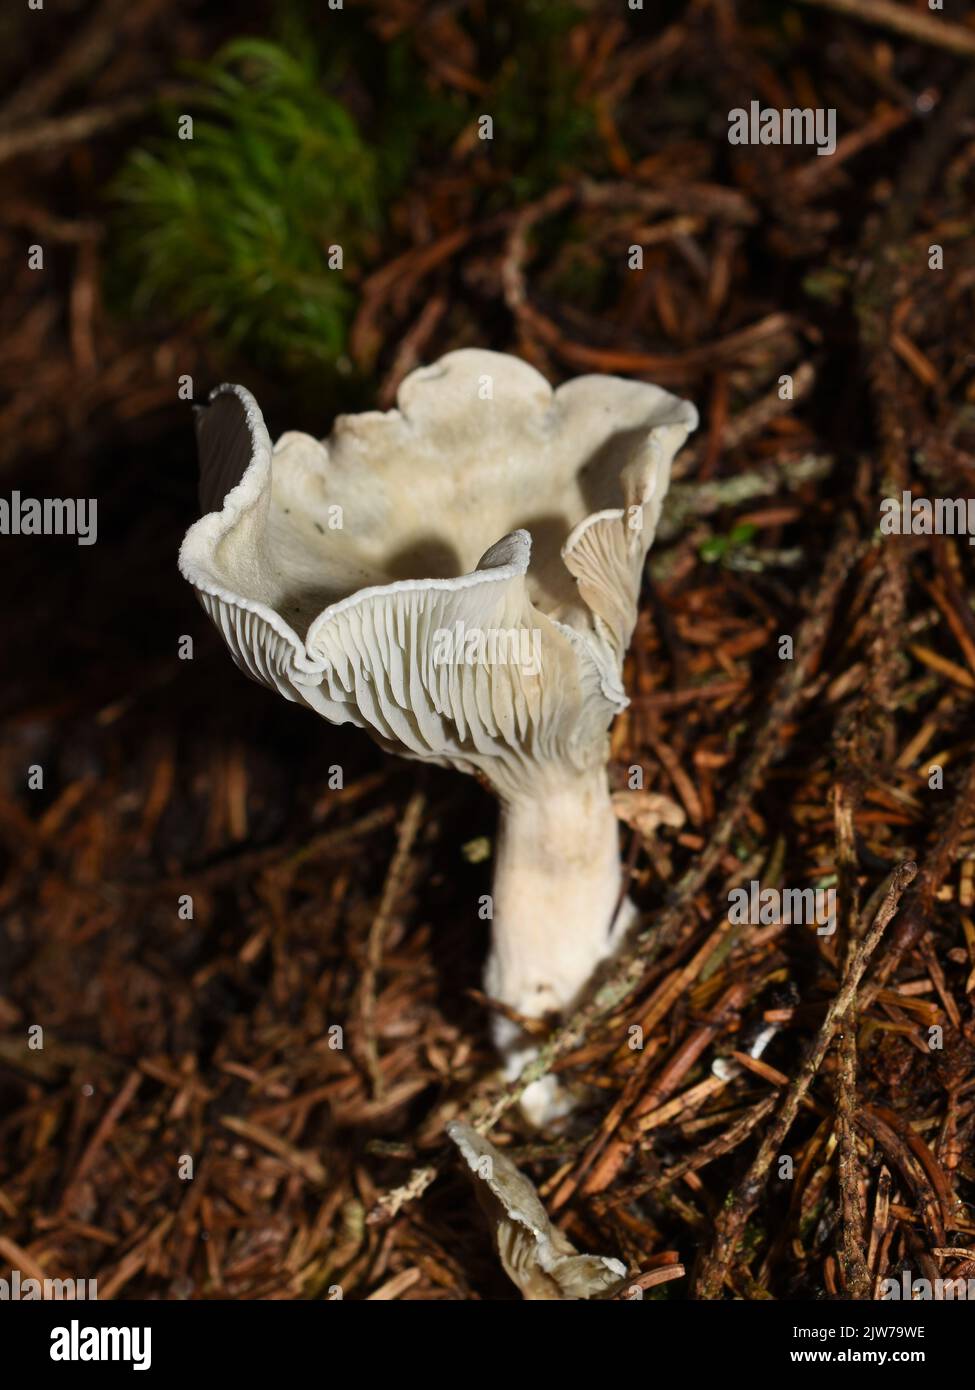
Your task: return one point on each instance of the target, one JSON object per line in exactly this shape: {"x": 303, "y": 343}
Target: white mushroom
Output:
{"x": 537, "y": 1257}
{"x": 460, "y": 577}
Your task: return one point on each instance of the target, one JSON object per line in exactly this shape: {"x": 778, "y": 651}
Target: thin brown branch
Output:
{"x": 730, "y": 1225}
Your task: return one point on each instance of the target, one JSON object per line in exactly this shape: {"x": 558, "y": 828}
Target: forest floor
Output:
{"x": 799, "y": 1119}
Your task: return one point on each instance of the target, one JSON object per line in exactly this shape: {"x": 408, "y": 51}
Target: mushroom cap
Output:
{"x": 485, "y": 503}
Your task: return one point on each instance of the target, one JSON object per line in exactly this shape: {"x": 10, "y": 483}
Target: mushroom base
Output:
{"x": 557, "y": 914}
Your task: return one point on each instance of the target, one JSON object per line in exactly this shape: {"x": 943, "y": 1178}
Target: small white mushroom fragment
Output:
{"x": 460, "y": 577}
{"x": 537, "y": 1257}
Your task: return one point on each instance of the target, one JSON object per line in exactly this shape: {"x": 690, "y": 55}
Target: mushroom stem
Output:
{"x": 557, "y": 912}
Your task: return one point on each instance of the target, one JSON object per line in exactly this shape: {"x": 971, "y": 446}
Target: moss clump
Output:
{"x": 236, "y": 224}
{"x": 238, "y": 227}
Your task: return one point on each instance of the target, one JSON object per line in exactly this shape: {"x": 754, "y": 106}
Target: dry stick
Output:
{"x": 916, "y": 1164}
{"x": 876, "y": 294}
{"x": 751, "y": 421}
{"x": 114, "y": 23}
{"x": 884, "y": 278}
{"x": 937, "y": 864}
{"x": 601, "y": 1161}
{"x": 666, "y": 367}
{"x": 629, "y": 971}
{"x": 917, "y": 911}
{"x": 686, "y": 502}
{"x": 725, "y": 1143}
{"x": 700, "y": 199}
{"x": 307, "y": 1164}
{"x": 880, "y": 1229}
{"x": 730, "y": 1225}
{"x": 399, "y": 278}
{"x": 809, "y": 178}
{"x": 19, "y": 1258}
{"x": 130, "y": 1263}
{"x": 855, "y": 1273}
{"x": 105, "y": 1126}
{"x": 269, "y": 858}
{"x": 879, "y": 287}
{"x": 926, "y": 28}
{"x": 61, "y": 131}
{"x": 412, "y": 347}
{"x": 65, "y": 130}
{"x": 393, "y": 887}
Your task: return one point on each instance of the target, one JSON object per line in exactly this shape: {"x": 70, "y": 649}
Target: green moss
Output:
{"x": 828, "y": 284}
{"x": 237, "y": 228}
{"x": 236, "y": 223}
{"x": 718, "y": 547}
